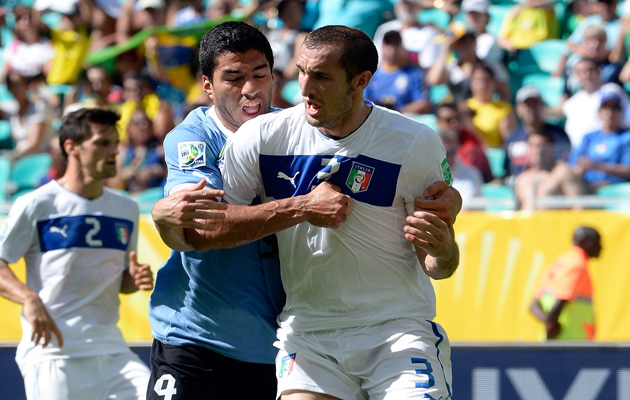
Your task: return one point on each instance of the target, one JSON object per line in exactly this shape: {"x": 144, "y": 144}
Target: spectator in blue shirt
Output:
{"x": 602, "y": 158}
{"x": 398, "y": 83}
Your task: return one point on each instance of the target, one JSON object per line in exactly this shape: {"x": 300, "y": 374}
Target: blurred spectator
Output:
{"x": 286, "y": 39}
{"x": 456, "y": 61}
{"x": 28, "y": 115}
{"x": 575, "y": 13}
{"x": 366, "y": 15}
{"x": 190, "y": 12}
{"x": 28, "y": 53}
{"x": 593, "y": 46}
{"x": 137, "y": 93}
{"x": 530, "y": 109}
{"x": 103, "y": 17}
{"x": 95, "y": 88}
{"x": 417, "y": 39}
{"x": 471, "y": 149}
{"x": 604, "y": 14}
{"x": 602, "y": 157}
{"x": 141, "y": 162}
{"x": 581, "y": 109}
{"x": 220, "y": 8}
{"x": 398, "y": 83}
{"x": 539, "y": 160}
{"x": 71, "y": 41}
{"x": 136, "y": 15}
{"x": 564, "y": 299}
{"x": 494, "y": 119}
{"x": 527, "y": 23}
{"x": 277, "y": 100}
{"x": 466, "y": 179}
{"x": 477, "y": 19}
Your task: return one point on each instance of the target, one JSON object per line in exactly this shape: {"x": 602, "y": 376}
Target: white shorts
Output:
{"x": 399, "y": 359}
{"x": 121, "y": 376}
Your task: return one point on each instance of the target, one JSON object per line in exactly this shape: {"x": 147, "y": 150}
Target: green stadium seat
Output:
{"x": 616, "y": 191}
{"x": 28, "y": 171}
{"x": 439, "y": 93}
{"x": 429, "y": 120}
{"x": 496, "y": 158}
{"x": 547, "y": 54}
{"x": 435, "y": 16}
{"x": 497, "y": 15}
{"x": 500, "y": 192}
{"x": 5, "y": 175}
{"x": 291, "y": 92}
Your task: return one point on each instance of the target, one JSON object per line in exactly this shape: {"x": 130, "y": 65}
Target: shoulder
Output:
{"x": 123, "y": 201}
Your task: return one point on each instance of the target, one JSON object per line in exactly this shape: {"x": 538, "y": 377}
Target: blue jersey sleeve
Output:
{"x": 191, "y": 152}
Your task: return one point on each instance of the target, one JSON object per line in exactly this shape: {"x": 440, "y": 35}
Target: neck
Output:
{"x": 533, "y": 126}
{"x": 77, "y": 182}
{"x": 359, "y": 112}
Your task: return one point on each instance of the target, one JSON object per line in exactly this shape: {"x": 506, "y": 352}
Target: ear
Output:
{"x": 207, "y": 87}
{"x": 362, "y": 80}
{"x": 70, "y": 146}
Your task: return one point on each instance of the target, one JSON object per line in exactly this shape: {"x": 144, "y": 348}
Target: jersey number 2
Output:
{"x": 96, "y": 228}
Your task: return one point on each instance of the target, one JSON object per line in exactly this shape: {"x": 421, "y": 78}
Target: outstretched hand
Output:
{"x": 196, "y": 207}
{"x": 141, "y": 273}
{"x": 327, "y": 206}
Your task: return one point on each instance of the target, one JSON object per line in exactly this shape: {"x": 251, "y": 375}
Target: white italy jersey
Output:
{"x": 75, "y": 251}
{"x": 364, "y": 272}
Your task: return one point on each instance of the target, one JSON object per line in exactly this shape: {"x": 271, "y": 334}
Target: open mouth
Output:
{"x": 252, "y": 108}
{"x": 311, "y": 107}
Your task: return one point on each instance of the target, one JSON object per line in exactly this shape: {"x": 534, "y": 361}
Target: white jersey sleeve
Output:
{"x": 17, "y": 232}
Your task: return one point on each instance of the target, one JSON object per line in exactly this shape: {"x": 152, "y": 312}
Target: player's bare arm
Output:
{"x": 442, "y": 200}
{"x": 325, "y": 206}
{"x": 137, "y": 276}
{"x": 195, "y": 207}
{"x": 43, "y": 325}
{"x": 435, "y": 244}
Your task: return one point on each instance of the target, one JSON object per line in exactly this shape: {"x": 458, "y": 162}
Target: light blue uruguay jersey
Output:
{"x": 364, "y": 272}
{"x": 225, "y": 300}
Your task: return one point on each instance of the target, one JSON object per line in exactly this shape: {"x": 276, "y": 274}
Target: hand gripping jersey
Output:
{"x": 364, "y": 272}
{"x": 226, "y": 300}
{"x": 75, "y": 251}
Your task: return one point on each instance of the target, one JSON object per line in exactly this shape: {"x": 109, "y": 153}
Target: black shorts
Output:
{"x": 196, "y": 373}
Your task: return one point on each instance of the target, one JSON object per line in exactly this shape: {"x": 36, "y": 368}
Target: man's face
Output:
{"x": 449, "y": 119}
{"x": 610, "y": 115}
{"x": 97, "y": 154}
{"x": 241, "y": 88}
{"x": 325, "y": 88}
{"x": 588, "y": 75}
{"x": 530, "y": 110}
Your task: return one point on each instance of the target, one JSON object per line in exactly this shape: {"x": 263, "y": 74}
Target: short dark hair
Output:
{"x": 231, "y": 37}
{"x": 392, "y": 38}
{"x": 358, "y": 52}
{"x": 76, "y": 126}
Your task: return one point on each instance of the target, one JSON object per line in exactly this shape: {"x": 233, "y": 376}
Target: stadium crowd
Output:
{"x": 530, "y": 96}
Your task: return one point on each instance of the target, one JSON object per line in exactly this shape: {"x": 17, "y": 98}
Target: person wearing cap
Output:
{"x": 398, "y": 83}
{"x": 602, "y": 157}
{"x": 527, "y": 23}
{"x": 564, "y": 299}
{"x": 581, "y": 109}
{"x": 530, "y": 111}
{"x": 417, "y": 39}
{"x": 477, "y": 18}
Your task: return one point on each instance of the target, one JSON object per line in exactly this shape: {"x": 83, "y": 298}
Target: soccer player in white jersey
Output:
{"x": 78, "y": 239}
{"x": 358, "y": 321}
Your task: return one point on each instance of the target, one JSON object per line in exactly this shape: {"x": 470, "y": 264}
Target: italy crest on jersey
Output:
{"x": 122, "y": 234}
{"x": 359, "y": 177}
{"x": 191, "y": 154}
{"x": 287, "y": 365}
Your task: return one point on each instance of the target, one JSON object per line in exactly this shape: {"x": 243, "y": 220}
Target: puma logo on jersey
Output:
{"x": 282, "y": 175}
{"x": 62, "y": 231}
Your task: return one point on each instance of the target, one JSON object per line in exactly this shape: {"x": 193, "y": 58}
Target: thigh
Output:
{"x": 306, "y": 366}
{"x": 190, "y": 372}
{"x": 128, "y": 376}
{"x": 64, "y": 379}
{"x": 415, "y": 362}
